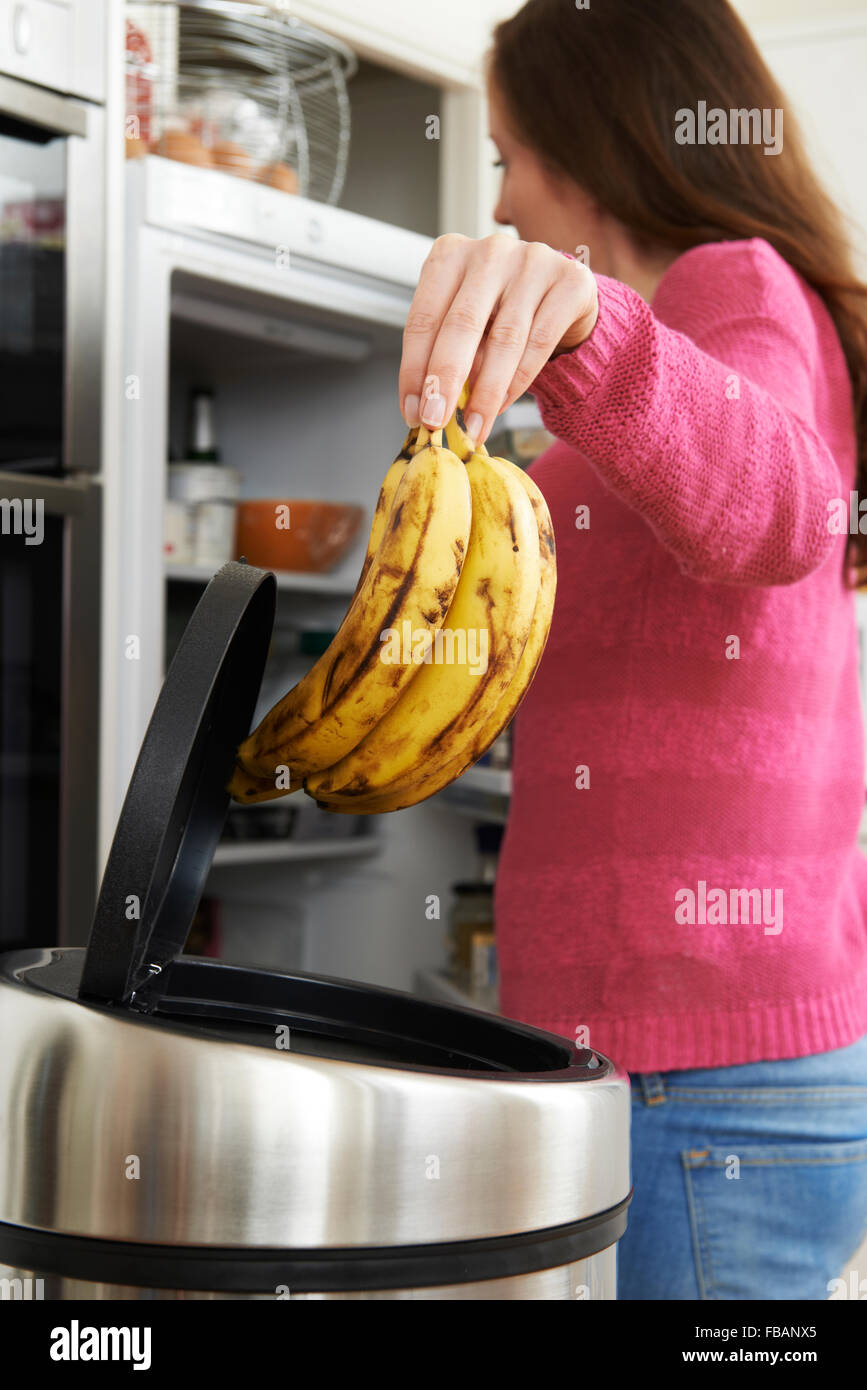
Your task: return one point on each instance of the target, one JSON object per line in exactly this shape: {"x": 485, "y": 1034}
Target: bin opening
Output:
{"x": 321, "y": 1016}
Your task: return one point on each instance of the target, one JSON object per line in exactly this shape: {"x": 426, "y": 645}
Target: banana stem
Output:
{"x": 459, "y": 441}
{"x": 426, "y": 437}
{"x": 456, "y": 437}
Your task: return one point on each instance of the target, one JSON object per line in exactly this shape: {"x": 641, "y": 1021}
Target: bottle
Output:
{"x": 204, "y": 484}
{"x": 203, "y": 440}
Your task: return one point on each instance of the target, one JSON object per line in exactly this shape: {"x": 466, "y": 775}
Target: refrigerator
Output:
{"x": 291, "y": 314}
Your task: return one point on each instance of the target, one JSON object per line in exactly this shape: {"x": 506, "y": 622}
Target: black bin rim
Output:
{"x": 209, "y": 999}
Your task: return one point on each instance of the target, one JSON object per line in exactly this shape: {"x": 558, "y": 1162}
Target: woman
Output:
{"x": 680, "y": 883}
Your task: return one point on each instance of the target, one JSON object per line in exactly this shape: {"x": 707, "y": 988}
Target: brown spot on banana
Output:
{"x": 483, "y": 589}
{"x": 360, "y": 648}
{"x": 372, "y": 655}
{"x": 407, "y": 581}
{"x": 357, "y": 787}
{"x": 465, "y": 718}
{"x": 248, "y": 788}
{"x": 409, "y": 444}
{"x": 510, "y": 523}
{"x": 326, "y": 689}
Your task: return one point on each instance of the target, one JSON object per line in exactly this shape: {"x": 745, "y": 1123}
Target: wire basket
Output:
{"x": 247, "y": 88}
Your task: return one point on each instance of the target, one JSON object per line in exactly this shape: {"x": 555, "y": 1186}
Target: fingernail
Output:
{"x": 434, "y": 411}
{"x": 474, "y": 424}
{"x": 410, "y": 411}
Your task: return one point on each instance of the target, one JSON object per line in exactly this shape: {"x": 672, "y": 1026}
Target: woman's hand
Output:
{"x": 492, "y": 310}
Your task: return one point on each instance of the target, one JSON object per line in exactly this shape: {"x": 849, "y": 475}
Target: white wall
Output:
{"x": 822, "y": 70}
{"x": 758, "y": 12}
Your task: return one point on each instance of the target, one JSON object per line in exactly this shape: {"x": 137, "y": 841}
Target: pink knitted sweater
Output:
{"x": 694, "y": 728}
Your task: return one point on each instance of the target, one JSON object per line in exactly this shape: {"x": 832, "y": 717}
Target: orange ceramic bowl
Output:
{"x": 290, "y": 534}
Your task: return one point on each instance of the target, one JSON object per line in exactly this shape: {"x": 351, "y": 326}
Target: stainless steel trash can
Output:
{"x": 180, "y": 1127}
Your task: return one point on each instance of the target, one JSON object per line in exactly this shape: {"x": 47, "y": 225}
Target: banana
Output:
{"x": 249, "y": 789}
{"x": 246, "y": 788}
{"x": 387, "y": 491}
{"x": 412, "y": 578}
{"x": 384, "y": 502}
{"x": 409, "y": 792}
{"x": 479, "y": 739}
{"x": 449, "y": 701}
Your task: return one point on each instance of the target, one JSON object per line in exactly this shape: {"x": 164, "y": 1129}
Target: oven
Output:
{"x": 52, "y": 308}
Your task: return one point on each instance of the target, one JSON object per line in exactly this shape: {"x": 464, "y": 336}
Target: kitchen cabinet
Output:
{"x": 440, "y": 47}
{"x": 445, "y": 41}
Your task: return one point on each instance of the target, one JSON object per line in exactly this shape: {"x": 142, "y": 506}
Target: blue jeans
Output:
{"x": 750, "y": 1181}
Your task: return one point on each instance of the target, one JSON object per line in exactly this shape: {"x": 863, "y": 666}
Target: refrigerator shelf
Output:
{"x": 268, "y": 851}
{"x": 333, "y": 585}
{"x": 481, "y": 792}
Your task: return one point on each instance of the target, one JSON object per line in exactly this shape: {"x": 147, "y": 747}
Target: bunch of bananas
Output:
{"x": 439, "y": 645}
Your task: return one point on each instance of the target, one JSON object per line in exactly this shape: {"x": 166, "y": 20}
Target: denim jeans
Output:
{"x": 749, "y": 1181}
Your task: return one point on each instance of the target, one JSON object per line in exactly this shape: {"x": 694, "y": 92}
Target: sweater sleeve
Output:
{"x": 709, "y": 432}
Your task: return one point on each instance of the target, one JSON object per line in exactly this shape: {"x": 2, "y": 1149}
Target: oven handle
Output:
{"x": 40, "y": 107}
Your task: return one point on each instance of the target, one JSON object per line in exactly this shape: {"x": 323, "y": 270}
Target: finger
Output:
{"x": 506, "y": 342}
{"x": 473, "y": 373}
{"x": 478, "y": 359}
{"x": 489, "y": 270}
{"x": 555, "y": 314}
{"x": 441, "y": 275}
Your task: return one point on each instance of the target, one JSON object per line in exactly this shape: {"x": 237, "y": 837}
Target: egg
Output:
{"x": 279, "y": 176}
{"x": 178, "y": 144}
{"x": 227, "y": 155}
{"x": 135, "y": 147}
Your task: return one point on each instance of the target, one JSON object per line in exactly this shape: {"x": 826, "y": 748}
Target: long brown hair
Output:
{"x": 594, "y": 93}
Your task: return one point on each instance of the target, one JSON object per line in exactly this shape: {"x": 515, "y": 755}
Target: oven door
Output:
{"x": 49, "y": 708}
{"x": 51, "y": 347}
{"x": 51, "y": 280}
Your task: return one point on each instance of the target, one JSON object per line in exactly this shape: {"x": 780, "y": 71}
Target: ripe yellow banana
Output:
{"x": 478, "y": 740}
{"x": 475, "y": 657}
{"x": 470, "y": 749}
{"x": 244, "y": 786}
{"x": 412, "y": 578}
{"x": 384, "y": 502}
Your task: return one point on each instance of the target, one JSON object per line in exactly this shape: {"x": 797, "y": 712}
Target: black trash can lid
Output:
{"x": 176, "y": 803}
